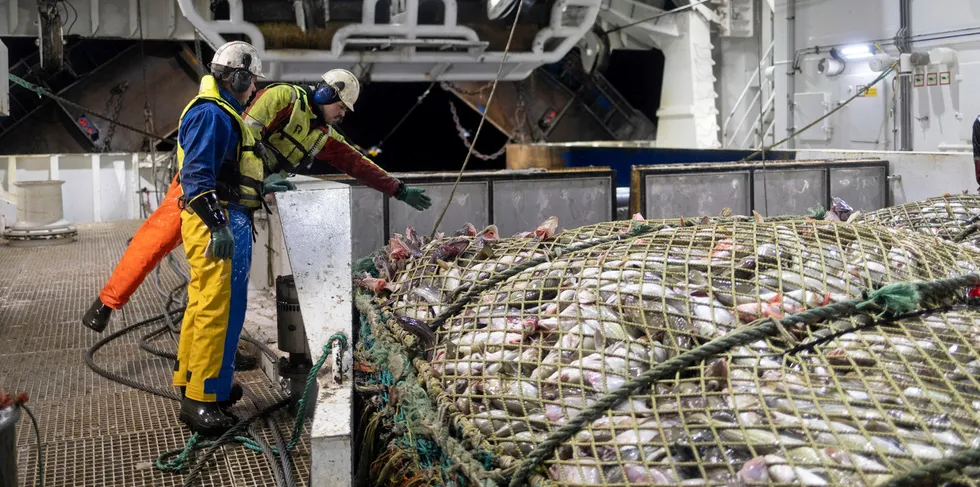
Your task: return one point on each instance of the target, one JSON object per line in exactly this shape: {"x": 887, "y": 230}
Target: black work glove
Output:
{"x": 414, "y": 197}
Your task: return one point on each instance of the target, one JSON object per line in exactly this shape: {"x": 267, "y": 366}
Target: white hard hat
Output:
{"x": 238, "y": 55}
{"x": 346, "y": 85}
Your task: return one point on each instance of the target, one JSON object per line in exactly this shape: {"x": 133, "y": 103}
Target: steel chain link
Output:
{"x": 116, "y": 93}
{"x": 465, "y": 138}
{"x": 197, "y": 47}
{"x": 450, "y": 86}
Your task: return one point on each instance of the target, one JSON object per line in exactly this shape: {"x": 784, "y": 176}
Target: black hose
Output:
{"x": 90, "y": 361}
{"x": 262, "y": 347}
{"x": 144, "y": 344}
{"x": 40, "y": 446}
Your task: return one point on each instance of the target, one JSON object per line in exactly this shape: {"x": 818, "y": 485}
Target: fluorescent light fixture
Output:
{"x": 857, "y": 51}
{"x": 500, "y": 8}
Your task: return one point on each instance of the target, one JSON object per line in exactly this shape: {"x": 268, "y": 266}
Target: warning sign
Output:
{"x": 872, "y": 91}
{"x": 944, "y": 78}
{"x": 932, "y": 79}
{"x": 920, "y": 80}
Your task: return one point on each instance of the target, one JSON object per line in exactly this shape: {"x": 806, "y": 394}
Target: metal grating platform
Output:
{"x": 97, "y": 432}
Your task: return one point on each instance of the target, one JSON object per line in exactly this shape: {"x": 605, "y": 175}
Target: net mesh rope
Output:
{"x": 838, "y": 403}
{"x": 944, "y": 216}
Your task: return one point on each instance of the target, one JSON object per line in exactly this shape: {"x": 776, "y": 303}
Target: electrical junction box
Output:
{"x": 808, "y": 107}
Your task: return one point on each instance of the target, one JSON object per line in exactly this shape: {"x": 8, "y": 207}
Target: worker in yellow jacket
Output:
{"x": 295, "y": 123}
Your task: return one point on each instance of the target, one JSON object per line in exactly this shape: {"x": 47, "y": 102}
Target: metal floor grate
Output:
{"x": 97, "y": 432}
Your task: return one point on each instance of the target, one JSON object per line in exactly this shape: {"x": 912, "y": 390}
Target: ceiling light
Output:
{"x": 857, "y": 51}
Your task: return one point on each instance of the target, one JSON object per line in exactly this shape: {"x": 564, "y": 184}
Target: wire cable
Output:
{"x": 483, "y": 120}
{"x": 655, "y": 17}
{"x": 64, "y": 101}
{"x": 812, "y": 124}
{"x": 374, "y": 151}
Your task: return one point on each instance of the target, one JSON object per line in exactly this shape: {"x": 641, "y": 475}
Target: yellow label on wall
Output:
{"x": 872, "y": 91}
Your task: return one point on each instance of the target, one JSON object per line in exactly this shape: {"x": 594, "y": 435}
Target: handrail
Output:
{"x": 741, "y": 97}
{"x": 765, "y": 109}
{"x": 745, "y": 115}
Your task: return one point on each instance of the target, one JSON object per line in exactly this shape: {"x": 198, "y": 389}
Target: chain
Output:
{"x": 116, "y": 94}
{"x": 464, "y": 135}
{"x": 450, "y": 86}
{"x": 197, "y": 47}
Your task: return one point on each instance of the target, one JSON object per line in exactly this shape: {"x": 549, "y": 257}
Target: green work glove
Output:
{"x": 222, "y": 243}
{"x": 414, "y": 197}
{"x": 276, "y": 183}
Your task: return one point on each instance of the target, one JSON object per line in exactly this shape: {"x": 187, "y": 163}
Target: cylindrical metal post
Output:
{"x": 8, "y": 446}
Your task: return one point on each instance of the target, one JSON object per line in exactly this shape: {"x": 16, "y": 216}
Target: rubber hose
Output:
{"x": 90, "y": 360}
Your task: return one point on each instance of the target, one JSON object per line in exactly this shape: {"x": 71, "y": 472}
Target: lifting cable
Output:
{"x": 483, "y": 119}
{"x": 812, "y": 124}
{"x": 655, "y": 17}
{"x": 147, "y": 111}
{"x": 43, "y": 92}
{"x": 376, "y": 149}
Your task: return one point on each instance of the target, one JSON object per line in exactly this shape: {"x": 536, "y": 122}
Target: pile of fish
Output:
{"x": 855, "y": 408}
{"x": 943, "y": 216}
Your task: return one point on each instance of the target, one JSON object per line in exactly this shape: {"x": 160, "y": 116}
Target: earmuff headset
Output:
{"x": 324, "y": 94}
{"x": 241, "y": 78}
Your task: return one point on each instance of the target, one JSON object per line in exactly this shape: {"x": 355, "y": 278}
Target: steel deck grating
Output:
{"x": 95, "y": 431}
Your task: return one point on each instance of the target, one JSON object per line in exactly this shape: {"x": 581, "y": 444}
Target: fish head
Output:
{"x": 454, "y": 247}
{"x": 411, "y": 234}
{"x": 546, "y": 229}
{"x": 638, "y": 217}
{"x": 397, "y": 250}
{"x": 490, "y": 233}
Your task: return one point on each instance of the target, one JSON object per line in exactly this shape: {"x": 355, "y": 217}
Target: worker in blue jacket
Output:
{"x": 221, "y": 178}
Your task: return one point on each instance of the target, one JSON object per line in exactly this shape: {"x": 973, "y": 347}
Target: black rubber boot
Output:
{"x": 205, "y": 418}
{"x": 236, "y": 394}
{"x": 97, "y": 316}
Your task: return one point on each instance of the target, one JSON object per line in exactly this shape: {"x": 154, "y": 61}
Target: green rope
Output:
{"x": 181, "y": 456}
{"x": 555, "y": 253}
{"x": 362, "y": 265}
{"x": 310, "y": 380}
{"x": 894, "y": 299}
{"x": 817, "y": 212}
{"x": 891, "y": 299}
{"x": 930, "y": 473}
{"x": 419, "y": 415}
{"x": 970, "y": 230}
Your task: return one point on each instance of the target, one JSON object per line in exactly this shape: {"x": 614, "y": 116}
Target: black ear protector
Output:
{"x": 324, "y": 94}
{"x": 241, "y": 78}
